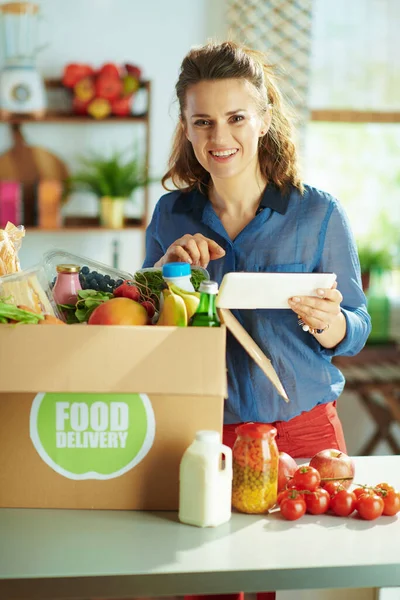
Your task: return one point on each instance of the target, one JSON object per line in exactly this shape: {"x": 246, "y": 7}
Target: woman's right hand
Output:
{"x": 194, "y": 249}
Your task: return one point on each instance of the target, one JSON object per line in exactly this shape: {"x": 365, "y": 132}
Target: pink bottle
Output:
{"x": 67, "y": 286}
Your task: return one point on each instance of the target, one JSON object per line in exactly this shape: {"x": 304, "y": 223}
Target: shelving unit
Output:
{"x": 83, "y": 223}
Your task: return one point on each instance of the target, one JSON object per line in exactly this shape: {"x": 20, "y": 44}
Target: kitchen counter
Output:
{"x": 60, "y": 554}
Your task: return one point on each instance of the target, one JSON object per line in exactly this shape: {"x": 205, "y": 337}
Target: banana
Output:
{"x": 191, "y": 299}
{"x": 173, "y": 312}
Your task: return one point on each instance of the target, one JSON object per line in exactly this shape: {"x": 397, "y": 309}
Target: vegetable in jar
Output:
{"x": 255, "y": 468}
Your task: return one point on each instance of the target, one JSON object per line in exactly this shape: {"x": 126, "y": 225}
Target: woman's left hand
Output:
{"x": 318, "y": 312}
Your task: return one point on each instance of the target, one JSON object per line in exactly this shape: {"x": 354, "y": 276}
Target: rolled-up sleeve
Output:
{"x": 154, "y": 250}
{"x": 338, "y": 254}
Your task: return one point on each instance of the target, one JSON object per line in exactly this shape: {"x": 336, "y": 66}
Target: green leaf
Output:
{"x": 82, "y": 315}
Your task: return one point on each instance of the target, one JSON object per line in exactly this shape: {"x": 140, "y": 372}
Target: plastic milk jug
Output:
{"x": 205, "y": 482}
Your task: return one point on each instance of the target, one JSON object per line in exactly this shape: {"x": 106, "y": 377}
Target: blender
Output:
{"x": 22, "y": 89}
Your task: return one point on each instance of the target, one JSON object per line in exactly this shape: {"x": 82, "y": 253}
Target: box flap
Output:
{"x": 162, "y": 360}
{"x": 252, "y": 349}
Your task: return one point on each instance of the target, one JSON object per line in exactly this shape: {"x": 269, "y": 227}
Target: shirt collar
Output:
{"x": 195, "y": 201}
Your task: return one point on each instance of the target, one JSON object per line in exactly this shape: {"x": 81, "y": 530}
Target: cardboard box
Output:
{"x": 99, "y": 417}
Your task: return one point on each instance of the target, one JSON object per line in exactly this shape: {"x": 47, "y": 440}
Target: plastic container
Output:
{"x": 205, "y": 478}
{"x": 255, "y": 468}
{"x": 29, "y": 288}
{"x": 67, "y": 286}
{"x": 107, "y": 278}
{"x": 179, "y": 274}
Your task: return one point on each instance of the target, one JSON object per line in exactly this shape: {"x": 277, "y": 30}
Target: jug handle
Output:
{"x": 227, "y": 452}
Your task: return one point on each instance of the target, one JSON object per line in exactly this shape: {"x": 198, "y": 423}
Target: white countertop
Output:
{"x": 69, "y": 554}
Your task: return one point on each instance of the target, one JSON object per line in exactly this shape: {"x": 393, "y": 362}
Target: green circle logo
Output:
{"x": 92, "y": 436}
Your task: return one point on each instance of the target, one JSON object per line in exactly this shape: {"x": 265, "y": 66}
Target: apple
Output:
{"x": 99, "y": 108}
{"x": 85, "y": 90}
{"x": 287, "y": 467}
{"x": 121, "y": 106}
{"x": 119, "y": 311}
{"x": 108, "y": 87}
{"x": 333, "y": 464}
{"x": 111, "y": 70}
{"x": 74, "y": 72}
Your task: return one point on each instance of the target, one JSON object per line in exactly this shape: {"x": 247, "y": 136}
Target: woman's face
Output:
{"x": 223, "y": 124}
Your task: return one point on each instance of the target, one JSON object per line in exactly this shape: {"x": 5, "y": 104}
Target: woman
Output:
{"x": 241, "y": 206}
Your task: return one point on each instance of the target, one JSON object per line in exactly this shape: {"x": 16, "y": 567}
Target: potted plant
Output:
{"x": 373, "y": 258}
{"x": 112, "y": 180}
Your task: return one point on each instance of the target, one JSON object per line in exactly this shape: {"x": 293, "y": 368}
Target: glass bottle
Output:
{"x": 255, "y": 468}
{"x": 206, "y": 313}
{"x": 67, "y": 285}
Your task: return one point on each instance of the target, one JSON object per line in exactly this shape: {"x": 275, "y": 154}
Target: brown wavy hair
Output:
{"x": 229, "y": 60}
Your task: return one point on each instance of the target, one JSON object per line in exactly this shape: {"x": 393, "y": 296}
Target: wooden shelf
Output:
{"x": 355, "y": 116}
{"x": 86, "y": 224}
{"x": 70, "y": 118}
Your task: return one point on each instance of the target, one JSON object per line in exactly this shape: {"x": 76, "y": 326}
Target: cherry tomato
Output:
{"x": 282, "y": 495}
{"x": 343, "y": 503}
{"x": 361, "y": 491}
{"x": 370, "y": 506}
{"x": 332, "y": 487}
{"x": 391, "y": 500}
{"x": 317, "y": 502}
{"x": 307, "y": 478}
{"x": 383, "y": 486}
{"x": 293, "y": 508}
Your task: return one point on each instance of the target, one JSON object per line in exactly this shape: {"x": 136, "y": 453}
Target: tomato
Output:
{"x": 370, "y": 506}
{"x": 293, "y": 508}
{"x": 383, "y": 486}
{"x": 343, "y": 503}
{"x": 361, "y": 491}
{"x": 317, "y": 502}
{"x": 282, "y": 495}
{"x": 332, "y": 487}
{"x": 307, "y": 478}
{"x": 391, "y": 500}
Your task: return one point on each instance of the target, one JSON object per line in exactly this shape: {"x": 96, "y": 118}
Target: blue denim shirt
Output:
{"x": 293, "y": 232}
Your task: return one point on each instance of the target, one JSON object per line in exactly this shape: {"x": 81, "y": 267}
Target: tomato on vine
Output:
{"x": 307, "y": 478}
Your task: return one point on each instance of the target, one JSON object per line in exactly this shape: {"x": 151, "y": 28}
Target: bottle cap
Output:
{"x": 209, "y": 287}
{"x": 68, "y": 268}
{"x": 176, "y": 269}
{"x": 211, "y": 437}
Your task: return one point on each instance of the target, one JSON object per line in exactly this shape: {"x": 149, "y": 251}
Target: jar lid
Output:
{"x": 176, "y": 269}
{"x": 68, "y": 268}
{"x": 256, "y": 430}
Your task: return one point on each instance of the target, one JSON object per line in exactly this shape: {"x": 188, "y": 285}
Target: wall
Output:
{"x": 154, "y": 34}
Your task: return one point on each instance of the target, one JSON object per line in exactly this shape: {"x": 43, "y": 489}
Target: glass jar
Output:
{"x": 67, "y": 285}
{"x": 255, "y": 468}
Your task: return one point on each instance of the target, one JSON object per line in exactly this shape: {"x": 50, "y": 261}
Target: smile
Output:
{"x": 223, "y": 156}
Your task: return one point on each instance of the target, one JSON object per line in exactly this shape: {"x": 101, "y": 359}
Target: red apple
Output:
{"x": 119, "y": 311}
{"x": 108, "y": 87}
{"x": 121, "y": 106}
{"x": 286, "y": 469}
{"x": 333, "y": 464}
{"x": 111, "y": 70}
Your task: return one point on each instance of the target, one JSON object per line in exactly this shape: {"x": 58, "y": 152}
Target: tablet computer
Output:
{"x": 269, "y": 290}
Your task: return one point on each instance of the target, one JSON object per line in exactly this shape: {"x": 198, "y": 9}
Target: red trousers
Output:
{"x": 301, "y": 437}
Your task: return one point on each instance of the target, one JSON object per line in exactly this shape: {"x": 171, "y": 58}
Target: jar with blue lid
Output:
{"x": 179, "y": 274}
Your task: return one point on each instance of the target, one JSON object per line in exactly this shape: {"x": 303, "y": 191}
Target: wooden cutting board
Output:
{"x": 28, "y": 164}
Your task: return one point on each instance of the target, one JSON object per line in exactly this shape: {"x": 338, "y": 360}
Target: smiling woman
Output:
{"x": 240, "y": 205}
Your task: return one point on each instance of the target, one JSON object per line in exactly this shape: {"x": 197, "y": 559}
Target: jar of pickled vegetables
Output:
{"x": 255, "y": 468}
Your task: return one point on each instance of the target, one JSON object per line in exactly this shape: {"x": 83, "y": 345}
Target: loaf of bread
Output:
{"x": 10, "y": 243}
